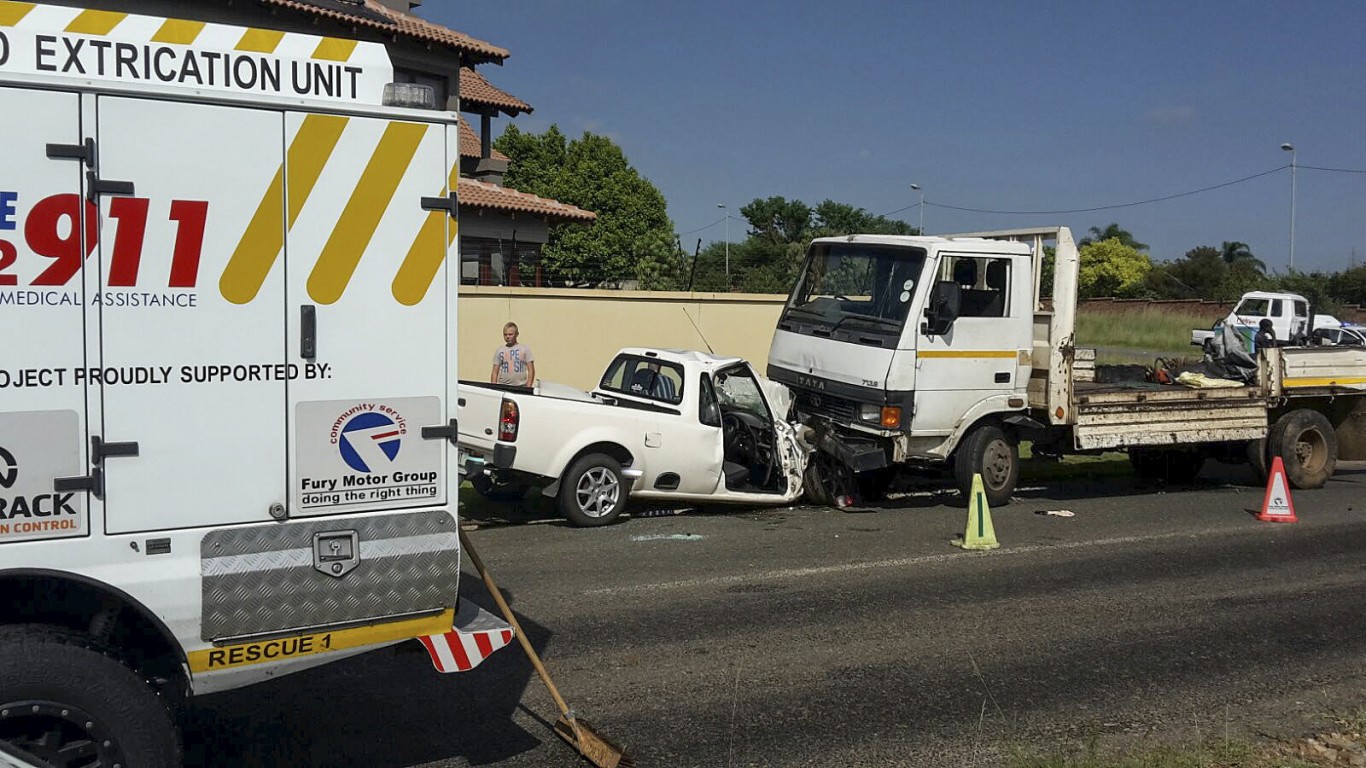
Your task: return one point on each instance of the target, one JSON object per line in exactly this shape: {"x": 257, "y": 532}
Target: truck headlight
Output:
{"x": 886, "y": 416}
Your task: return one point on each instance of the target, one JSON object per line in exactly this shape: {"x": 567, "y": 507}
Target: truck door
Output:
{"x": 987, "y": 351}
{"x": 191, "y": 367}
{"x": 45, "y": 232}
{"x": 371, "y": 322}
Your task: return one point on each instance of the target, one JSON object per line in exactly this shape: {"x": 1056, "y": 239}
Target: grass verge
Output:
{"x": 1162, "y": 332}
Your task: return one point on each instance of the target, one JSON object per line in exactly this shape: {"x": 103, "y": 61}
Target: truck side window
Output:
{"x": 1301, "y": 309}
{"x": 708, "y": 410}
{"x": 984, "y": 283}
{"x": 1276, "y": 308}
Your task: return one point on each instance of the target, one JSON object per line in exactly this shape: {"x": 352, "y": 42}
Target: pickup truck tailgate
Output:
{"x": 477, "y": 411}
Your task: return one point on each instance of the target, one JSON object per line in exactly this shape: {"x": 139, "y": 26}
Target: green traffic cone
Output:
{"x": 980, "y": 534}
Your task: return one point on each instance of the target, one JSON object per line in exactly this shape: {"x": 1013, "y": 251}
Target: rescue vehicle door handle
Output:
{"x": 449, "y": 204}
{"x": 83, "y": 152}
{"x": 308, "y": 331}
{"x": 449, "y": 432}
{"x": 93, "y": 482}
{"x": 95, "y": 186}
{"x": 100, "y": 450}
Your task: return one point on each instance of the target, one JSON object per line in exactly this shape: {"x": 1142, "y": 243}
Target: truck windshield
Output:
{"x": 857, "y": 292}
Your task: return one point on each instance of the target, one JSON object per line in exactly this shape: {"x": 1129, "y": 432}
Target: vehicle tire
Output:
{"x": 594, "y": 491}
{"x": 1168, "y": 465}
{"x": 66, "y": 701}
{"x": 826, "y": 479}
{"x": 1308, "y": 446}
{"x": 988, "y": 451}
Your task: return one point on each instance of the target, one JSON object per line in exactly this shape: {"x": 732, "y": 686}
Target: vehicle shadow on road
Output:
{"x": 385, "y": 709}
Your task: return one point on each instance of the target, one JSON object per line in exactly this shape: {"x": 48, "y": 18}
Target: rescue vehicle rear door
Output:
{"x": 190, "y": 306}
{"x": 370, "y": 319}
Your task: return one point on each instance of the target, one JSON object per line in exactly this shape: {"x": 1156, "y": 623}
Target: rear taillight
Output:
{"x": 507, "y": 422}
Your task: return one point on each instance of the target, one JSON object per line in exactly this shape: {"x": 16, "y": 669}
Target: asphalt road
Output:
{"x": 814, "y": 637}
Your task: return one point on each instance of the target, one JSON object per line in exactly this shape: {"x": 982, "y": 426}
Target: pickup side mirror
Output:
{"x": 946, "y": 301}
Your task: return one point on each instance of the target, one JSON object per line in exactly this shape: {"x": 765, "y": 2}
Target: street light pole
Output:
{"x": 727, "y": 210}
{"x": 920, "y": 230}
{"x": 1291, "y": 149}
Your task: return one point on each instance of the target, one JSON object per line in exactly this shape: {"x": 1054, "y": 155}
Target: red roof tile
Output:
{"x": 469, "y": 143}
{"x": 404, "y": 24}
{"x": 479, "y": 194}
{"x": 476, "y": 90}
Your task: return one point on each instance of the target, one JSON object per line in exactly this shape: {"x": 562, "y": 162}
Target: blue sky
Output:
{"x": 1019, "y": 106}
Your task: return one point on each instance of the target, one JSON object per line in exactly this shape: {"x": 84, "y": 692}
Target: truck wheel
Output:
{"x": 989, "y": 452}
{"x": 1308, "y": 446}
{"x": 68, "y": 702}
{"x": 1169, "y": 465}
{"x": 593, "y": 491}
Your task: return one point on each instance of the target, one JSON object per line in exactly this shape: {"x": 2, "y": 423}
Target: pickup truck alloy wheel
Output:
{"x": 989, "y": 452}
{"x": 593, "y": 491}
{"x": 1308, "y": 446}
{"x": 71, "y": 704}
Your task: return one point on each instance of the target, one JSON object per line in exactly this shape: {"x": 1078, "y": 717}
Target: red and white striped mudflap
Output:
{"x": 476, "y": 634}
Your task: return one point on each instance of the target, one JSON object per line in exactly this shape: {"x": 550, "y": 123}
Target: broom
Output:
{"x": 576, "y": 732}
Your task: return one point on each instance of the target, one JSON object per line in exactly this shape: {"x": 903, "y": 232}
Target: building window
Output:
{"x": 493, "y": 261}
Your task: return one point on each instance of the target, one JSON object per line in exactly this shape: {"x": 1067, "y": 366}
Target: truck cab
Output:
{"x": 895, "y": 345}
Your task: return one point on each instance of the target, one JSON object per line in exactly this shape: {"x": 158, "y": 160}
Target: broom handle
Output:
{"x": 507, "y": 614}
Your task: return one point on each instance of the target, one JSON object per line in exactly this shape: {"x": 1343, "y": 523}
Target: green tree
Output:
{"x": 1234, "y": 252}
{"x": 1349, "y": 286}
{"x": 632, "y": 237}
{"x": 1111, "y": 268}
{"x": 1201, "y": 271}
{"x": 832, "y": 218}
{"x": 1113, "y": 231}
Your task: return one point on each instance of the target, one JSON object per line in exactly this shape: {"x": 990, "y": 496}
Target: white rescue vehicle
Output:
{"x": 226, "y": 399}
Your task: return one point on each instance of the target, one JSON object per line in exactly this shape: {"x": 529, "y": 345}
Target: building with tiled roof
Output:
{"x": 502, "y": 231}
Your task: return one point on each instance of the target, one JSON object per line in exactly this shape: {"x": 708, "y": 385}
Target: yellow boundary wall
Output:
{"x": 573, "y": 333}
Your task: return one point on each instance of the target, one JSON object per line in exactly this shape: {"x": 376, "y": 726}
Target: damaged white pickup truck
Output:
{"x": 662, "y": 425}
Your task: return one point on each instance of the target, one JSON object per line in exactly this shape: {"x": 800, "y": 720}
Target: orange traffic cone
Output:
{"x": 1277, "y": 506}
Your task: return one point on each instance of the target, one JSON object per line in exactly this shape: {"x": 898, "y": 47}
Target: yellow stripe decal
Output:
{"x": 299, "y": 646}
{"x": 260, "y": 40}
{"x": 363, "y": 211}
{"x": 95, "y": 22}
{"x": 1313, "y": 382}
{"x": 308, "y": 154}
{"x": 335, "y": 49}
{"x": 179, "y": 32}
{"x": 11, "y": 13}
{"x": 265, "y": 236}
{"x": 967, "y": 353}
{"x": 424, "y": 259}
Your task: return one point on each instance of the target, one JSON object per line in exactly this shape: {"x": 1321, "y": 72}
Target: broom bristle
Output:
{"x": 596, "y": 749}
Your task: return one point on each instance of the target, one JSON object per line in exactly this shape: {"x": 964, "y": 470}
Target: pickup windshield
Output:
{"x": 856, "y": 292}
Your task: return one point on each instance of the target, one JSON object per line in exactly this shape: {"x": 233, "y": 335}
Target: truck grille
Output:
{"x": 837, "y": 409}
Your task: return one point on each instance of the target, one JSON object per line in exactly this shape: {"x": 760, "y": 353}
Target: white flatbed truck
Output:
{"x": 942, "y": 353}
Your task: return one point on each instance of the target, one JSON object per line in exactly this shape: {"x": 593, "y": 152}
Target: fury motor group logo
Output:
{"x": 366, "y": 455}
{"x": 9, "y": 469}
{"x": 370, "y": 441}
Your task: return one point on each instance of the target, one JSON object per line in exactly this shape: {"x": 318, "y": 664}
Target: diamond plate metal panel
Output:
{"x": 260, "y": 579}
